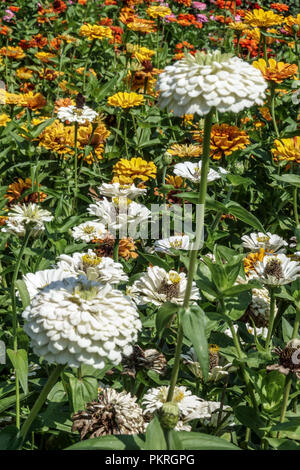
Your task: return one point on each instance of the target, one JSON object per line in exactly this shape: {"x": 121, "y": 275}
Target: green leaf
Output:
{"x": 287, "y": 330}
{"x": 122, "y": 442}
{"x": 238, "y": 211}
{"x": 164, "y": 315}
{"x": 19, "y": 360}
{"x": 193, "y": 324}
{"x": 155, "y": 260}
{"x": 294, "y": 180}
{"x": 249, "y": 418}
{"x": 235, "y": 306}
{"x": 155, "y": 438}
{"x": 199, "y": 441}
{"x": 283, "y": 444}
{"x": 82, "y": 391}
{"x": 23, "y": 292}
{"x": 9, "y": 439}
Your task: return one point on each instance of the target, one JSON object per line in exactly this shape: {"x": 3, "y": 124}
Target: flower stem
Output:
{"x": 272, "y": 87}
{"x": 14, "y": 318}
{"x": 193, "y": 252}
{"x": 75, "y": 162}
{"x": 272, "y": 317}
{"x": 240, "y": 355}
{"x": 295, "y": 197}
{"x": 41, "y": 400}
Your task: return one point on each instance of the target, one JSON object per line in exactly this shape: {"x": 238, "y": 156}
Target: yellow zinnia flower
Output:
{"x": 141, "y": 26}
{"x": 125, "y": 100}
{"x": 263, "y": 19}
{"x": 287, "y": 149}
{"x": 15, "y": 52}
{"x": 4, "y": 119}
{"x": 252, "y": 259}
{"x": 290, "y": 25}
{"x": 126, "y": 171}
{"x": 24, "y": 73}
{"x": 45, "y": 57}
{"x": 158, "y": 11}
{"x": 275, "y": 71}
{"x": 95, "y": 32}
{"x": 140, "y": 53}
{"x": 185, "y": 150}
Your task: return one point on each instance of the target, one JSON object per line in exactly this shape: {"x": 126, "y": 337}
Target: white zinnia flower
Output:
{"x": 154, "y": 399}
{"x": 118, "y": 190}
{"x": 120, "y": 213}
{"x": 40, "y": 279}
{"x": 178, "y": 242}
{"x": 95, "y": 268}
{"x": 158, "y": 286}
{"x": 209, "y": 414}
{"x": 76, "y": 321}
{"x": 192, "y": 171}
{"x": 27, "y": 214}
{"x": 73, "y": 114}
{"x": 267, "y": 241}
{"x": 196, "y": 84}
{"x": 87, "y": 231}
{"x": 276, "y": 270}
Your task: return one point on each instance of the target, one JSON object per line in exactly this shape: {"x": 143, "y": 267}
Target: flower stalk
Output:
{"x": 193, "y": 252}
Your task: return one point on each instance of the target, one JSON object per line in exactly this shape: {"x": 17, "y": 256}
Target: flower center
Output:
{"x": 263, "y": 239}
{"x": 88, "y": 229}
{"x": 90, "y": 260}
{"x": 274, "y": 268}
{"x": 176, "y": 244}
{"x": 170, "y": 290}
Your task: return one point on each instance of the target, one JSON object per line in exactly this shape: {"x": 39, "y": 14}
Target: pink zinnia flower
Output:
{"x": 199, "y": 5}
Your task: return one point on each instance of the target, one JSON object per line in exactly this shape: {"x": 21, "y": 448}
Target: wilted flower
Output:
{"x": 76, "y": 321}
{"x": 114, "y": 413}
{"x": 198, "y": 83}
{"x": 148, "y": 359}
{"x": 289, "y": 359}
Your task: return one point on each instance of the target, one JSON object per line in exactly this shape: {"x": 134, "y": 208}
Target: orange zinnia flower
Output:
{"x": 275, "y": 71}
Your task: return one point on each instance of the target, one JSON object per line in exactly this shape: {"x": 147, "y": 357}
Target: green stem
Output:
{"x": 75, "y": 163}
{"x": 287, "y": 389}
{"x": 41, "y": 400}
{"x": 240, "y": 355}
{"x": 116, "y": 250}
{"x": 272, "y": 317}
{"x": 193, "y": 252}
{"x": 272, "y": 87}
{"x": 295, "y": 197}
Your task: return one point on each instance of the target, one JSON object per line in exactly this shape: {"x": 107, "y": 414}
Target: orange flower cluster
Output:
{"x": 180, "y": 47}
{"x": 38, "y": 41}
{"x": 15, "y": 191}
{"x": 225, "y": 140}
{"x": 279, "y": 7}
